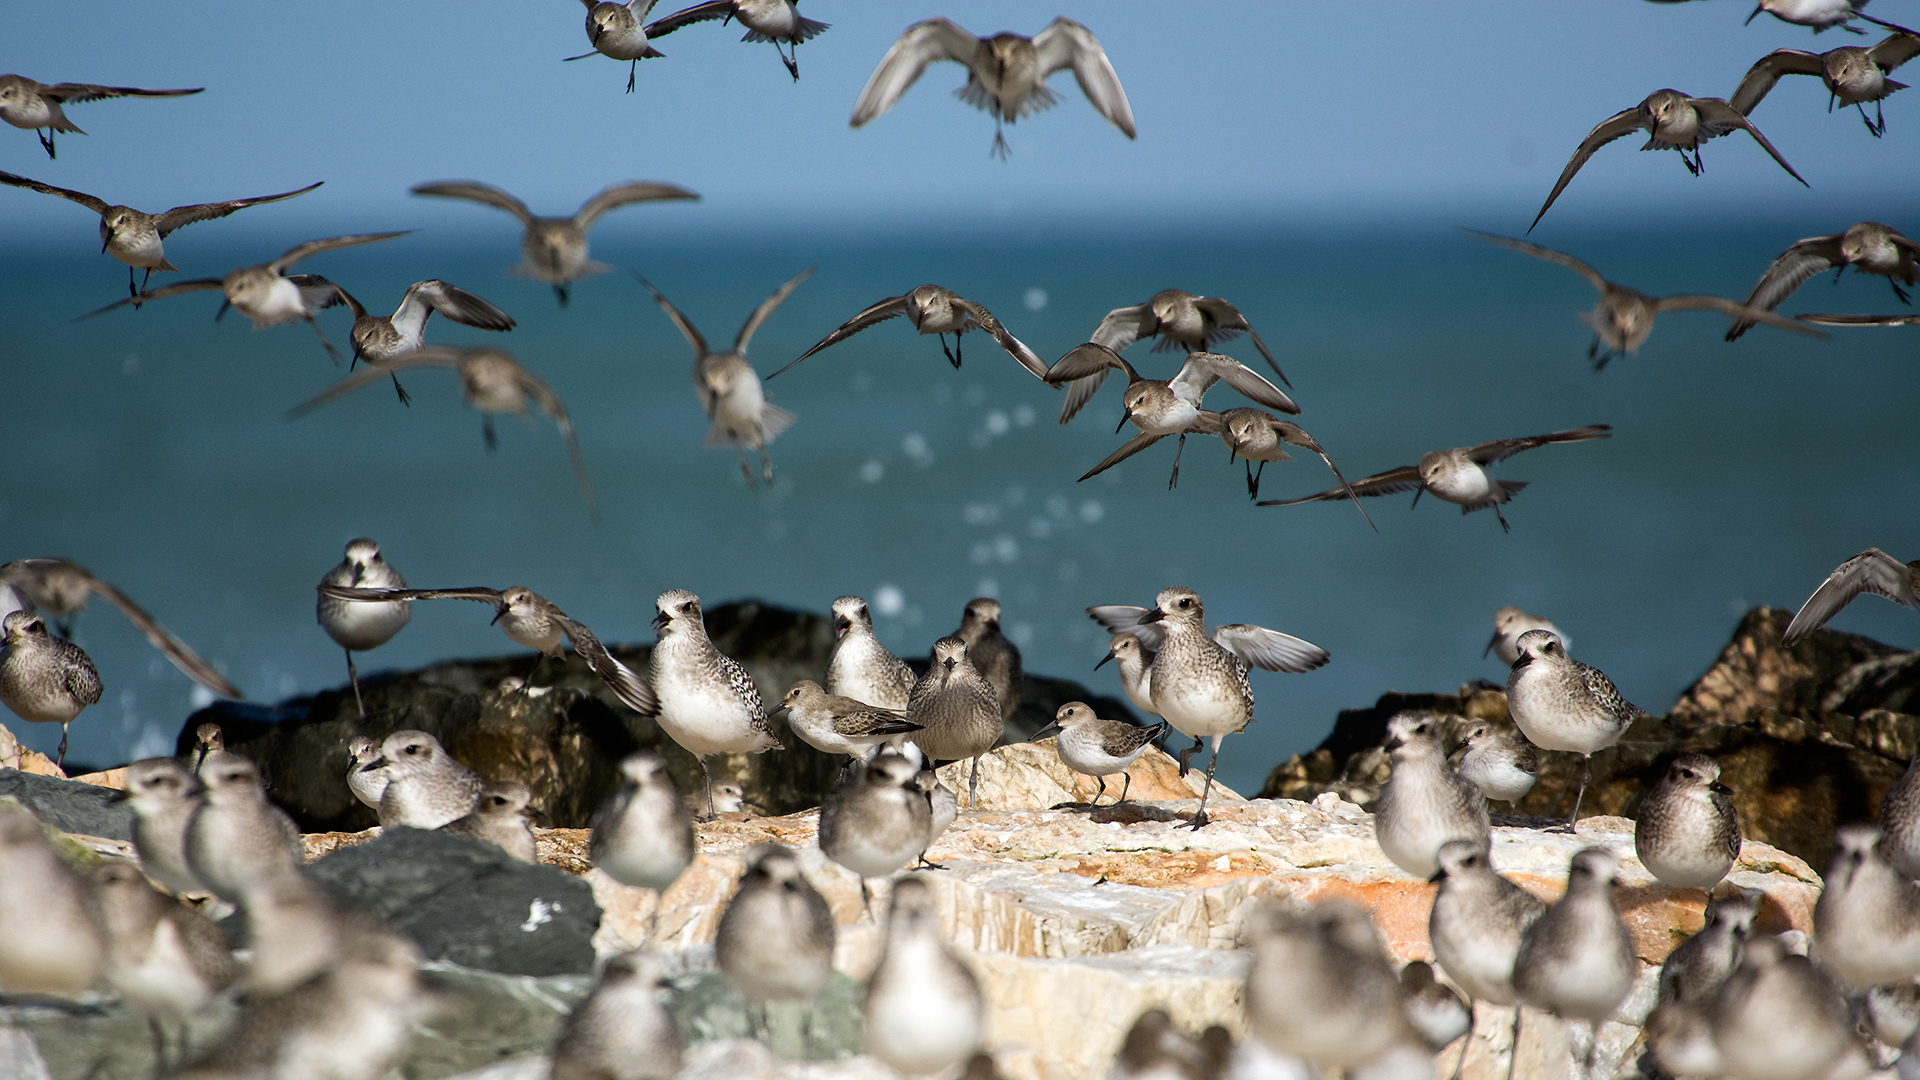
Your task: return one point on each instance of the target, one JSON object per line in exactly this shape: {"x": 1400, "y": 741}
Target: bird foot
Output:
{"x": 925, "y": 865}
{"x": 1200, "y": 821}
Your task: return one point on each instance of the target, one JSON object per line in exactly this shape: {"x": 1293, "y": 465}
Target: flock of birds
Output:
{"x": 331, "y": 992}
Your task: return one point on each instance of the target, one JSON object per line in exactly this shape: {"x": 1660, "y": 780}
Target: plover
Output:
{"x": 1099, "y": 748}
{"x": 1854, "y": 76}
{"x": 619, "y": 31}
{"x": 1459, "y": 475}
{"x": 924, "y": 1010}
{"x": 1501, "y": 764}
{"x": 36, "y": 105}
{"x": 1821, "y": 15}
{"x": 1694, "y": 970}
{"x": 554, "y": 249}
{"x": 991, "y": 652}
{"x": 1508, "y": 624}
{"x": 877, "y": 819}
{"x": 1559, "y": 703}
{"x": 937, "y": 311}
{"x": 841, "y": 725}
{"x": 367, "y": 785}
{"x": 236, "y": 838}
{"x": 361, "y": 624}
{"x": 134, "y": 237}
{"x": 775, "y": 939}
{"x": 766, "y": 20}
{"x": 705, "y": 700}
{"x": 728, "y": 387}
{"x": 1892, "y": 1012}
{"x": 1319, "y": 986}
{"x": 1257, "y": 435}
{"x": 622, "y": 1030}
{"x": 860, "y": 667}
{"x": 491, "y": 381}
{"x": 1673, "y": 121}
{"x": 165, "y": 960}
{"x": 1476, "y": 924}
{"x": 1424, "y": 803}
{"x": 53, "y": 943}
{"x": 642, "y": 835}
{"x": 1006, "y": 73}
{"x": 1433, "y": 1008}
{"x": 1778, "y": 1017}
{"x": 1869, "y": 247}
{"x": 426, "y": 786}
{"x": 1687, "y": 832}
{"x": 1872, "y": 571}
{"x": 957, "y": 710}
{"x": 1576, "y": 960}
{"x": 297, "y": 930}
{"x": 1866, "y": 925}
{"x": 499, "y": 818}
{"x": 1135, "y": 664}
{"x": 60, "y": 589}
{"x": 44, "y": 679}
{"x": 163, "y": 796}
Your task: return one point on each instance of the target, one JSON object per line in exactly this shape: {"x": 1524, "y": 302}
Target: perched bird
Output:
{"x": 1673, "y": 121}
{"x": 1135, "y": 664}
{"x": 53, "y": 943}
{"x": 1687, "y": 832}
{"x": 207, "y": 738}
{"x": 1900, "y": 821}
{"x": 1006, "y": 73}
{"x": 703, "y": 699}
{"x": 924, "y": 1010}
{"x": 1099, "y": 748}
{"x": 1476, "y": 924}
{"x": 361, "y": 624}
{"x": 1854, "y": 76}
{"x": 1866, "y": 925}
{"x": 1869, "y": 247}
{"x": 236, "y": 839}
{"x": 491, "y": 381}
{"x": 775, "y": 939}
{"x": 1319, "y": 987}
{"x": 134, "y": 237}
{"x": 765, "y": 20}
{"x": 619, "y": 31}
{"x": 1459, "y": 475}
{"x": 728, "y": 387}
{"x": 728, "y": 798}
{"x": 379, "y": 338}
{"x": 642, "y": 835}
{"x": 1508, "y": 624}
{"x": 1779, "y": 1017}
{"x": 367, "y": 785}
{"x": 35, "y": 105}
{"x": 860, "y": 667}
{"x": 945, "y": 805}
{"x": 1501, "y": 764}
{"x": 1257, "y": 435}
{"x": 991, "y": 652}
{"x": 1424, "y": 803}
{"x": 499, "y": 818}
{"x": 622, "y": 1030}
{"x": 957, "y": 710}
{"x": 1872, "y": 571}
{"x": 554, "y": 249}
{"x": 1623, "y": 318}
{"x": 937, "y": 311}
{"x": 426, "y": 786}
{"x": 1694, "y": 970}
{"x": 163, "y": 796}
{"x": 44, "y": 679}
{"x": 165, "y": 960}
{"x": 1576, "y": 960}
{"x": 1433, "y": 1007}
{"x": 877, "y": 819}
{"x": 1559, "y": 703}
{"x": 841, "y": 725}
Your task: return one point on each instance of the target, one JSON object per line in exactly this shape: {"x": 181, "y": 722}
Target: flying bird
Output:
{"x": 937, "y": 311}
{"x": 619, "y": 31}
{"x": 1257, "y": 436}
{"x": 765, "y": 20}
{"x": 1872, "y": 571}
{"x": 1179, "y": 319}
{"x": 379, "y": 338}
{"x": 1869, "y": 247}
{"x": 1818, "y": 14}
{"x": 1854, "y": 76}
{"x": 60, "y": 589}
{"x": 34, "y": 106}
{"x": 1862, "y": 320}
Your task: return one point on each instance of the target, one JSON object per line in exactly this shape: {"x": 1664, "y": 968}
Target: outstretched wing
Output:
{"x": 1897, "y": 49}
{"x": 1391, "y": 482}
{"x": 1128, "y": 449}
{"x": 1227, "y": 317}
{"x": 1741, "y": 313}
{"x": 1203, "y": 368}
{"x": 315, "y": 247}
{"x": 1125, "y": 619}
{"x": 451, "y": 302}
{"x": 1083, "y": 370}
{"x": 429, "y": 357}
{"x": 922, "y": 44}
{"x": 687, "y": 329}
{"x": 1065, "y": 43}
{"x": 1293, "y": 435}
{"x": 713, "y": 9}
{"x": 628, "y": 685}
{"x": 478, "y": 593}
{"x": 187, "y": 215}
{"x": 1762, "y": 75}
{"x": 71, "y": 91}
{"x": 1014, "y": 346}
{"x": 880, "y": 312}
{"x": 1862, "y": 320}
{"x": 1806, "y": 258}
{"x": 1593, "y": 276}
{"x": 98, "y": 206}
{"x": 478, "y": 192}
{"x": 1872, "y": 571}
{"x": 1613, "y": 127}
{"x": 1124, "y": 326}
{"x": 175, "y": 650}
{"x": 767, "y": 307}
{"x": 175, "y": 289}
{"x": 632, "y": 191}
{"x": 549, "y": 402}
{"x": 1502, "y": 449}
{"x": 1269, "y": 650}
{"x": 1715, "y": 112}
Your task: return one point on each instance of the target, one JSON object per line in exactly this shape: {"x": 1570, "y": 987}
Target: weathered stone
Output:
{"x": 69, "y": 805}
{"x": 15, "y": 756}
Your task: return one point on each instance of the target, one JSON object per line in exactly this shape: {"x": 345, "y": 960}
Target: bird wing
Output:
{"x": 69, "y": 91}
{"x": 1744, "y": 315}
{"x": 1125, "y": 619}
{"x": 1065, "y": 43}
{"x": 187, "y": 215}
{"x": 767, "y": 307}
{"x": 713, "y": 9}
{"x": 1269, "y": 650}
{"x": 1762, "y": 75}
{"x": 1124, "y": 326}
{"x": 319, "y": 294}
{"x": 1613, "y": 127}
{"x": 1897, "y": 49}
{"x": 1128, "y": 449}
{"x": 1502, "y": 449}
{"x": 427, "y": 357}
{"x": 627, "y": 685}
{"x": 1228, "y": 317}
{"x": 1294, "y": 435}
{"x": 478, "y": 192}
{"x": 1014, "y": 346}
{"x": 923, "y": 43}
{"x": 549, "y": 402}
{"x": 632, "y": 191}
{"x": 172, "y": 647}
{"x": 478, "y": 593}
{"x": 463, "y": 307}
{"x": 1806, "y": 258}
{"x": 315, "y": 247}
{"x": 1593, "y": 276}
{"x": 1862, "y": 320}
{"x": 1715, "y": 112}
{"x": 687, "y": 329}
{"x": 175, "y": 289}
{"x": 880, "y": 312}
{"x": 1203, "y": 368}
{"x": 1391, "y": 482}
{"x": 98, "y": 206}
{"x": 1872, "y": 571}
{"x": 1091, "y": 358}
{"x": 1606, "y": 693}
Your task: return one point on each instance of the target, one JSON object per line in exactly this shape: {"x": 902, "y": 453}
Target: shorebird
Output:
{"x": 619, "y": 31}
{"x": 426, "y": 786}
{"x": 1694, "y": 971}
{"x": 1434, "y": 1009}
{"x": 1006, "y": 73}
{"x": 35, "y": 105}
{"x": 1872, "y": 571}
{"x": 1854, "y": 76}
{"x": 957, "y": 710}
{"x": 1508, "y": 624}
{"x": 622, "y": 1029}
{"x": 163, "y": 796}
{"x": 53, "y": 943}
{"x": 728, "y": 387}
{"x": 703, "y": 699}
{"x": 165, "y": 960}
{"x": 642, "y": 835}
{"x": 1459, "y": 475}
{"x": 841, "y": 725}
{"x": 491, "y": 381}
{"x": 500, "y": 819}
{"x": 860, "y": 667}
{"x": 1900, "y": 820}
{"x": 236, "y": 839}
{"x": 60, "y": 589}
{"x": 877, "y": 819}
{"x": 1099, "y": 748}
{"x": 1179, "y": 319}
{"x": 44, "y": 679}
{"x": 1156, "y": 1050}
{"x": 991, "y": 652}
{"x": 1501, "y": 764}
{"x": 264, "y": 293}
{"x": 554, "y": 249}
{"x": 1257, "y": 435}
{"x": 366, "y": 786}
{"x": 1623, "y": 318}
{"x": 937, "y": 311}
{"x": 1319, "y": 986}
{"x": 1476, "y": 924}
{"x": 379, "y": 338}
{"x": 357, "y": 625}
{"x": 766, "y": 20}
{"x": 1869, "y": 247}
{"x": 1559, "y": 703}
{"x": 775, "y": 939}
{"x": 1779, "y": 1017}
{"x": 1866, "y": 925}
{"x": 1687, "y": 833}
{"x": 1198, "y": 681}
{"x": 1424, "y": 803}
{"x": 1673, "y": 121}
{"x": 1136, "y": 669}
{"x": 924, "y": 1010}
{"x": 134, "y": 237}
{"x": 1861, "y": 320}
{"x": 1576, "y": 960}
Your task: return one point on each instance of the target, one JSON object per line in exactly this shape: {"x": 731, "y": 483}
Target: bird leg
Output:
{"x": 1593, "y": 1046}
{"x": 46, "y": 141}
{"x": 711, "y": 812}
{"x": 793, "y": 62}
{"x": 144, "y": 281}
{"x": 1513, "y": 1054}
{"x": 866, "y": 900}
{"x": 405, "y": 398}
{"x": 951, "y": 359}
{"x": 332, "y": 353}
{"x": 1095, "y": 801}
{"x": 973, "y": 785}
{"x": 1126, "y": 784}
{"x": 131, "y": 289}
{"x": 1693, "y": 164}
{"x": 1200, "y": 815}
{"x": 1900, "y": 292}
{"x": 1000, "y": 148}
{"x": 353, "y": 676}
{"x": 1876, "y": 130}
{"x": 1466, "y": 1042}
{"x": 766, "y": 467}
{"x": 632, "y": 70}
{"x": 60, "y": 757}
{"x": 1174, "y": 481}
{"x": 745, "y": 469}
{"x": 1586, "y": 770}
{"x": 1187, "y": 754}
{"x": 1504, "y": 527}
{"x": 1253, "y": 479}
{"x": 560, "y": 290}
{"x": 486, "y": 432}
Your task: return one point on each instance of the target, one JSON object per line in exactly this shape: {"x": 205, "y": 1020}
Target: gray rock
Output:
{"x": 69, "y": 806}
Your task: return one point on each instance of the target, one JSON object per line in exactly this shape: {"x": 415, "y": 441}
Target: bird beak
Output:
{"x": 106, "y": 241}
{"x": 1393, "y": 744}
{"x": 1035, "y": 737}
{"x": 1124, "y": 417}
{"x": 1522, "y": 661}
{"x": 224, "y": 305}
{"x": 949, "y": 663}
{"x": 840, "y": 627}
{"x": 1756, "y": 14}
{"x": 1103, "y": 662}
{"x": 538, "y": 815}
{"x": 1153, "y": 616}
{"x": 1720, "y": 789}
{"x": 498, "y": 615}
{"x": 1437, "y": 875}
{"x": 375, "y": 764}
{"x": 1491, "y": 642}
{"x": 118, "y": 796}
{"x": 661, "y": 620}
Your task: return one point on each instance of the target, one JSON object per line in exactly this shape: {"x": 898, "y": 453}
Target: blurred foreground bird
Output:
{"x": 60, "y": 589}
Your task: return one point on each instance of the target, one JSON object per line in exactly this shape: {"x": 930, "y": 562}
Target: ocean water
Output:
{"x": 153, "y": 448}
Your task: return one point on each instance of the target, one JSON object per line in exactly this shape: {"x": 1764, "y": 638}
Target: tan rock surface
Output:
{"x": 15, "y": 756}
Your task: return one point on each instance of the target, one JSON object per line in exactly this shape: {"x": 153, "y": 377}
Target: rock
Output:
{"x": 15, "y": 756}
{"x": 69, "y": 805}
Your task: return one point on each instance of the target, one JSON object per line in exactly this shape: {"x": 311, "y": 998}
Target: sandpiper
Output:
{"x": 1006, "y": 73}
{"x": 163, "y": 796}
{"x": 1135, "y": 664}
{"x": 766, "y": 20}
{"x": 728, "y": 387}
{"x": 236, "y": 839}
{"x": 775, "y": 940}
{"x": 53, "y": 943}
{"x": 1821, "y": 15}
{"x": 643, "y": 834}
{"x": 623, "y": 1028}
{"x": 957, "y": 710}
{"x": 924, "y": 1010}
{"x": 1257, "y": 435}
{"x": 1424, "y": 803}
{"x": 1779, "y": 1016}
{"x": 1433, "y": 1008}
{"x": 1459, "y": 475}
{"x": 1866, "y": 925}
{"x": 1869, "y": 247}
{"x": 705, "y": 700}
{"x": 367, "y": 785}
{"x": 36, "y": 105}
{"x": 60, "y": 589}
{"x": 1576, "y": 960}
{"x": 1508, "y": 624}
{"x": 1476, "y": 924}
{"x": 207, "y": 738}
{"x": 619, "y": 31}
{"x": 426, "y": 786}
{"x": 991, "y": 652}
{"x": 1501, "y": 764}
{"x": 841, "y": 725}
{"x": 1559, "y": 703}
{"x": 1687, "y": 832}
{"x": 379, "y": 338}
{"x": 165, "y": 960}
{"x": 1320, "y": 987}
{"x": 1179, "y": 319}
{"x": 500, "y": 818}
{"x": 942, "y": 800}
{"x": 860, "y": 667}
{"x": 1099, "y": 748}
{"x": 554, "y": 249}
{"x": 877, "y": 819}
{"x": 359, "y": 625}
{"x": 44, "y": 679}
{"x": 1854, "y": 76}
{"x": 1872, "y": 571}
{"x": 937, "y": 311}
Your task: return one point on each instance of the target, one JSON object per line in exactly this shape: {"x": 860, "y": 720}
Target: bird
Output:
{"x": 841, "y": 725}
{"x": 1866, "y": 924}
{"x": 1779, "y": 1017}
{"x": 1006, "y": 73}
{"x": 165, "y": 959}
{"x": 1424, "y": 803}
{"x": 1163, "y": 407}
{"x": 1673, "y": 121}
{"x": 53, "y": 943}
{"x": 1623, "y": 318}
{"x": 1099, "y": 748}
{"x": 500, "y": 818}
{"x": 1179, "y": 319}
{"x": 774, "y": 941}
{"x": 1458, "y": 475}
{"x": 379, "y": 338}
{"x": 61, "y": 589}
{"x": 134, "y": 237}
{"x": 945, "y": 805}
{"x": 1861, "y": 320}
{"x": 877, "y": 820}
{"x": 1501, "y": 764}
{"x": 1320, "y": 988}
{"x": 163, "y": 796}
{"x": 426, "y": 786}
{"x": 207, "y": 737}
{"x": 1693, "y": 972}
{"x": 1872, "y": 571}
{"x": 1258, "y": 435}
{"x": 1433, "y": 1008}
{"x": 728, "y": 387}
{"x": 1869, "y": 247}
{"x": 620, "y": 31}
{"x": 766, "y": 20}
{"x": 937, "y": 311}
{"x": 491, "y": 381}
{"x": 1576, "y": 960}
{"x": 32, "y": 105}
{"x": 642, "y": 836}
{"x": 704, "y": 700}
{"x": 1559, "y": 703}
{"x": 554, "y": 249}
{"x": 1854, "y": 76}
{"x": 264, "y": 293}
{"x": 236, "y": 839}
{"x": 957, "y": 710}
{"x": 991, "y": 652}
{"x": 1687, "y": 833}
{"x": 1821, "y": 15}
{"x": 44, "y": 679}
{"x": 1508, "y": 624}
{"x": 621, "y": 1030}
{"x": 361, "y": 624}
{"x": 728, "y": 798}
{"x": 1900, "y": 821}
{"x": 1476, "y": 924}
{"x": 528, "y": 619}
{"x": 1136, "y": 670}
{"x": 860, "y": 667}
{"x": 1156, "y": 1050}
{"x": 923, "y": 1008}
{"x": 366, "y": 786}
{"x": 1199, "y": 681}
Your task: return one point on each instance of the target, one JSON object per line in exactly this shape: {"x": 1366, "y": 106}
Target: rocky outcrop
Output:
{"x": 69, "y": 805}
